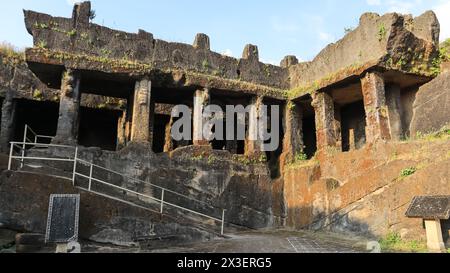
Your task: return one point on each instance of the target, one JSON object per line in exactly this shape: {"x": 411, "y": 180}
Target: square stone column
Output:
{"x": 293, "y": 128}
{"x": 201, "y": 100}
{"x": 142, "y": 121}
{"x": 69, "y": 109}
{"x": 327, "y": 126}
{"x": 253, "y": 143}
{"x": 393, "y": 100}
{"x": 435, "y": 241}
{"x": 168, "y": 141}
{"x": 373, "y": 90}
{"x": 7, "y": 121}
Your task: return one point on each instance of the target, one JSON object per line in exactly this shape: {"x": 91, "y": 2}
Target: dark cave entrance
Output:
{"x": 160, "y": 125}
{"x": 98, "y": 128}
{"x": 40, "y": 116}
{"x": 273, "y": 157}
{"x": 353, "y": 121}
{"x": 308, "y": 126}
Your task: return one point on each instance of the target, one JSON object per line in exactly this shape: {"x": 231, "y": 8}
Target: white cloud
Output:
{"x": 373, "y": 2}
{"x": 326, "y": 37}
{"x": 72, "y": 2}
{"x": 272, "y": 62}
{"x": 442, "y": 11}
{"x": 400, "y": 6}
{"x": 227, "y": 52}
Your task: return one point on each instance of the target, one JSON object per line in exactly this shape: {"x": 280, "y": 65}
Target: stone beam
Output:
{"x": 394, "y": 105}
{"x": 373, "y": 90}
{"x": 327, "y": 125}
{"x": 142, "y": 121}
{"x": 69, "y": 109}
{"x": 293, "y": 128}
{"x": 201, "y": 100}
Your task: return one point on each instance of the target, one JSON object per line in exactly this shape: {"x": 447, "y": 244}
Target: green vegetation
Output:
{"x": 42, "y": 44}
{"x": 300, "y": 156}
{"x": 442, "y": 134}
{"x": 347, "y": 30}
{"x": 408, "y": 172}
{"x": 38, "y": 95}
{"x": 444, "y": 50}
{"x": 444, "y": 56}
{"x": 71, "y": 33}
{"x": 205, "y": 65}
{"x": 394, "y": 243}
{"x": 381, "y": 32}
{"x": 10, "y": 54}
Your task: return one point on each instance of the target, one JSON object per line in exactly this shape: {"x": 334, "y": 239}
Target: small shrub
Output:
{"x": 381, "y": 32}
{"x": 92, "y": 15}
{"x": 408, "y": 172}
{"x": 42, "y": 44}
{"x": 72, "y": 33}
{"x": 301, "y": 156}
{"x": 347, "y": 30}
{"x": 394, "y": 242}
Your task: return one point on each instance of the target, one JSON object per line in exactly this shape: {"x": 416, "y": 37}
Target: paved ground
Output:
{"x": 249, "y": 242}
{"x": 275, "y": 242}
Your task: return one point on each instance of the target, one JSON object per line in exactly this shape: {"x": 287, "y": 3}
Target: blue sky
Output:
{"x": 279, "y": 28}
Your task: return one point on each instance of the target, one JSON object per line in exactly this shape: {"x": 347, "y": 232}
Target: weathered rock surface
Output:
{"x": 67, "y": 34}
{"x": 432, "y": 106}
{"x": 390, "y": 41}
{"x": 217, "y": 178}
{"x": 24, "y": 199}
{"x": 364, "y": 192}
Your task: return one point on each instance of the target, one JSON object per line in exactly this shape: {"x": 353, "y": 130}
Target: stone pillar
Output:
{"x": 338, "y": 125}
{"x": 253, "y": 145}
{"x": 141, "y": 126}
{"x": 373, "y": 91}
{"x": 122, "y": 131}
{"x": 327, "y": 130}
{"x": 69, "y": 108}
{"x": 168, "y": 142}
{"x": 7, "y": 121}
{"x": 393, "y": 100}
{"x": 435, "y": 241}
{"x": 293, "y": 136}
{"x": 201, "y": 100}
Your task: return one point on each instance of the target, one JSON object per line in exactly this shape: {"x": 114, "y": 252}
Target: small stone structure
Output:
{"x": 432, "y": 209}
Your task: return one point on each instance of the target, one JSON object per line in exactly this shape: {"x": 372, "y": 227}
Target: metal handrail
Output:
{"x": 76, "y": 160}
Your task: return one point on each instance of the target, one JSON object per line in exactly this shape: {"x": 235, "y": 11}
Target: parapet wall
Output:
{"x": 77, "y": 35}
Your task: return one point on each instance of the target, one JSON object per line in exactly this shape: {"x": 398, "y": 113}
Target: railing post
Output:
{"x": 162, "y": 201}
{"x": 75, "y": 165}
{"x": 35, "y": 139}
{"x": 24, "y": 146}
{"x": 223, "y": 221}
{"x": 90, "y": 177}
{"x": 10, "y": 156}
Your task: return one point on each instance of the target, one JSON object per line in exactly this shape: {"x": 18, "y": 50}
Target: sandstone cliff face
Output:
{"x": 364, "y": 192}
{"x": 432, "y": 106}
